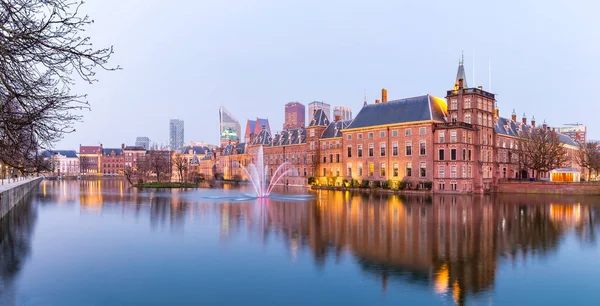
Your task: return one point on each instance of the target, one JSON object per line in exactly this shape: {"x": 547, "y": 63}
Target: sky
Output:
{"x": 183, "y": 59}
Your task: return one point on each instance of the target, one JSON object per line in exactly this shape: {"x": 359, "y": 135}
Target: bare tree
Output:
{"x": 541, "y": 150}
{"x": 180, "y": 164}
{"x": 159, "y": 163}
{"x": 129, "y": 174}
{"x": 587, "y": 156}
{"x": 41, "y": 48}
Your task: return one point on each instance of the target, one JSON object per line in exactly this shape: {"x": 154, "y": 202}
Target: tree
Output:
{"x": 128, "y": 174}
{"x": 540, "y": 150}
{"x": 588, "y": 157}
{"x": 41, "y": 48}
{"x": 180, "y": 164}
{"x": 159, "y": 162}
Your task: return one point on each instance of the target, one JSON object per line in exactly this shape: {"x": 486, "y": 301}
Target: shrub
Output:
{"x": 401, "y": 185}
{"x": 427, "y": 185}
{"x": 364, "y": 184}
{"x": 355, "y": 183}
{"x": 312, "y": 180}
{"x": 376, "y": 184}
{"x": 345, "y": 183}
{"x": 388, "y": 184}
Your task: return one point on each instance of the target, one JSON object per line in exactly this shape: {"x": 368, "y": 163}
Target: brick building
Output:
{"x": 89, "y": 159}
{"x": 112, "y": 161}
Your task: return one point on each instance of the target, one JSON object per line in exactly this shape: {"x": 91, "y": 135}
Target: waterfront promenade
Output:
{"x": 14, "y": 190}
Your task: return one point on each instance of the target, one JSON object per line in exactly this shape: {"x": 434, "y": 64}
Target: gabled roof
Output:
{"x": 108, "y": 151}
{"x": 231, "y": 149}
{"x": 89, "y": 149}
{"x": 289, "y": 137}
{"x": 65, "y": 153}
{"x": 263, "y": 138}
{"x": 421, "y": 108}
{"x": 319, "y": 119}
{"x": 511, "y": 128}
{"x": 250, "y": 126}
{"x": 260, "y": 123}
{"x": 334, "y": 129}
{"x": 194, "y": 150}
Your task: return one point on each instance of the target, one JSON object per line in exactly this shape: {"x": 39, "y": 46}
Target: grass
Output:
{"x": 166, "y": 185}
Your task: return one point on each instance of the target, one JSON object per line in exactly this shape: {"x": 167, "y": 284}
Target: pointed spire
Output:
{"x": 461, "y": 73}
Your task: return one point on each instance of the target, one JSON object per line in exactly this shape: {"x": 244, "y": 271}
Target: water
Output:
{"x": 101, "y": 243}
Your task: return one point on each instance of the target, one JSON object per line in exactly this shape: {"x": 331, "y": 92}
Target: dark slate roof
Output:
{"x": 194, "y": 149}
{"x": 460, "y": 74}
{"x": 135, "y": 148}
{"x": 508, "y": 127}
{"x": 195, "y": 160}
{"x": 319, "y": 119}
{"x": 334, "y": 129}
{"x": 419, "y": 108}
{"x": 288, "y": 137}
{"x": 108, "y": 151}
{"x": 231, "y": 149}
{"x": 208, "y": 155}
{"x": 65, "y": 153}
{"x": 263, "y": 138}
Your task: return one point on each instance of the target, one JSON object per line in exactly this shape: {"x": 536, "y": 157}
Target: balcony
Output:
{"x": 450, "y": 125}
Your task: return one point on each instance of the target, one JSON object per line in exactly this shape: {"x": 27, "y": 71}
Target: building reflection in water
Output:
{"x": 449, "y": 244}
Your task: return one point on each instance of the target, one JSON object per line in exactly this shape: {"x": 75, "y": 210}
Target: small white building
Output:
{"x": 565, "y": 175}
{"x": 63, "y": 162}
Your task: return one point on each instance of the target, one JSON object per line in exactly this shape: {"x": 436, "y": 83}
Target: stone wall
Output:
{"x": 13, "y": 194}
{"x": 549, "y": 188}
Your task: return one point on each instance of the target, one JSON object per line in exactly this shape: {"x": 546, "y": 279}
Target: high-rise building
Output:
{"x": 576, "y": 131}
{"x": 294, "y": 116}
{"x": 175, "y": 134}
{"x": 143, "y": 142}
{"x": 316, "y": 105}
{"x": 344, "y": 113}
{"x": 229, "y": 128}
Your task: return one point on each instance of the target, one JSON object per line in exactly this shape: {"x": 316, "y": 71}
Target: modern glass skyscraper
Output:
{"x": 175, "y": 134}
{"x": 143, "y": 142}
{"x": 314, "y": 106}
{"x": 229, "y": 127}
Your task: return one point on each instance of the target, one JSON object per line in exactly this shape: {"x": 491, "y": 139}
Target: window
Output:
{"x": 395, "y": 149}
{"x": 479, "y": 119}
{"x": 469, "y": 172}
{"x": 464, "y": 154}
{"x": 324, "y": 172}
{"x": 324, "y": 146}
{"x": 408, "y": 132}
{"x": 464, "y": 171}
{"x": 453, "y": 154}
{"x": 349, "y": 137}
{"x": 422, "y": 131}
{"x": 423, "y": 169}
{"x": 331, "y": 144}
{"x": 452, "y": 171}
{"x": 337, "y": 144}
{"x": 349, "y": 151}
{"x": 337, "y": 158}
{"x": 382, "y": 134}
{"x": 359, "y": 168}
{"x": 408, "y": 148}
{"x": 312, "y": 145}
{"x": 337, "y": 171}
{"x": 371, "y": 169}
{"x": 349, "y": 169}
{"x": 422, "y": 148}
{"x": 468, "y": 103}
{"x": 394, "y": 133}
{"x": 371, "y": 135}
{"x": 408, "y": 169}
{"x": 453, "y": 104}
{"x": 454, "y": 118}
{"x": 469, "y": 154}
{"x": 331, "y": 158}
{"x": 453, "y": 136}
{"x": 324, "y": 159}
{"x": 441, "y": 170}
{"x": 359, "y": 150}
{"x": 382, "y": 170}
{"x": 382, "y": 149}
{"x": 371, "y": 149}
{"x": 441, "y": 137}
{"x": 395, "y": 169}
{"x": 312, "y": 132}
{"x": 441, "y": 155}
{"x": 468, "y": 118}
{"x": 359, "y": 136}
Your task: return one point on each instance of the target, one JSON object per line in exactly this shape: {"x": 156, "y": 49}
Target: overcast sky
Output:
{"x": 182, "y": 59}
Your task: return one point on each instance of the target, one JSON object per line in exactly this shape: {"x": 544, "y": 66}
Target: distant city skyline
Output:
{"x": 234, "y": 61}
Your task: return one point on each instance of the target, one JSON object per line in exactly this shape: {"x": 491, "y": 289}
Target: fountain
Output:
{"x": 258, "y": 175}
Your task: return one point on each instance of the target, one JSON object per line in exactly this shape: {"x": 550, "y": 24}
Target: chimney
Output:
{"x": 533, "y": 121}
{"x": 460, "y": 83}
{"x": 337, "y": 118}
{"x": 384, "y": 95}
{"x": 514, "y": 116}
{"x": 480, "y": 87}
{"x": 496, "y": 111}
{"x": 524, "y": 119}
{"x": 376, "y": 101}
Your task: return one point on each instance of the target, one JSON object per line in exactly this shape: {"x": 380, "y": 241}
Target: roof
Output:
{"x": 134, "y": 148}
{"x": 319, "y": 119}
{"x": 263, "y": 138}
{"x": 89, "y": 149}
{"x": 460, "y": 74}
{"x": 263, "y": 122}
{"x": 288, "y": 137}
{"x": 250, "y": 126}
{"x": 65, "y": 153}
{"x": 109, "y": 151}
{"x": 231, "y": 149}
{"x": 421, "y": 108}
{"x": 511, "y": 128}
{"x": 334, "y": 129}
{"x": 194, "y": 150}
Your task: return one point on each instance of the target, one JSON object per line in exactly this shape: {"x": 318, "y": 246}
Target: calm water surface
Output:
{"x": 101, "y": 243}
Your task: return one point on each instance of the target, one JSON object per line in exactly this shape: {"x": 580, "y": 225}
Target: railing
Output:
{"x": 452, "y": 125}
{"x": 471, "y": 91}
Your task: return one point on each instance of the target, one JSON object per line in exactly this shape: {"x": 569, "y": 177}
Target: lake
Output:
{"x": 99, "y": 242}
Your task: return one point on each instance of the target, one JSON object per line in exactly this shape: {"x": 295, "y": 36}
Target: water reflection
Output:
{"x": 452, "y": 246}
